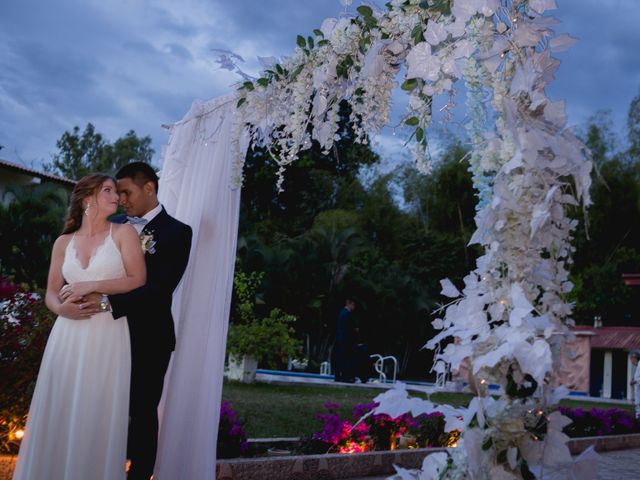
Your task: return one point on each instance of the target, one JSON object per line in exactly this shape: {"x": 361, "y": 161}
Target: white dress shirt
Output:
{"x": 150, "y": 215}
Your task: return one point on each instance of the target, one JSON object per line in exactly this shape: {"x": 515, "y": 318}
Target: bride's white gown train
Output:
{"x": 77, "y": 425}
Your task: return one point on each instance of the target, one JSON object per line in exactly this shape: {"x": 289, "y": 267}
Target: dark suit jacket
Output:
{"x": 148, "y": 308}
{"x": 346, "y": 330}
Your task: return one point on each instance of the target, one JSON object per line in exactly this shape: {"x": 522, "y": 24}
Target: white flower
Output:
{"x": 422, "y": 64}
{"x": 148, "y": 243}
{"x": 436, "y": 33}
{"x": 327, "y": 26}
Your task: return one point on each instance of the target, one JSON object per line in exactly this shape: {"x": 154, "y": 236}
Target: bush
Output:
{"x": 269, "y": 340}
{"x": 25, "y": 323}
{"x": 232, "y": 437}
{"x": 599, "y": 421}
{"x": 377, "y": 432}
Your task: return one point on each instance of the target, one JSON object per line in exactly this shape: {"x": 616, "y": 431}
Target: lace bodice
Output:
{"x": 105, "y": 264}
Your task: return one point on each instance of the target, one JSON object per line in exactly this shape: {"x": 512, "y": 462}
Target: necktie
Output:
{"x": 137, "y": 220}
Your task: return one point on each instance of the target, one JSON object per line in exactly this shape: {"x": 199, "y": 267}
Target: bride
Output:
{"x": 77, "y": 424}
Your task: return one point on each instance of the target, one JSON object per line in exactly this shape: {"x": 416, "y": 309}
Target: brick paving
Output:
{"x": 618, "y": 465}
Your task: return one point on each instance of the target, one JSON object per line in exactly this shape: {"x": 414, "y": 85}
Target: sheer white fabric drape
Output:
{"x": 196, "y": 186}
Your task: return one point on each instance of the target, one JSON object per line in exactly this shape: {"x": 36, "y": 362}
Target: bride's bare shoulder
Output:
{"x": 124, "y": 230}
{"x": 62, "y": 241}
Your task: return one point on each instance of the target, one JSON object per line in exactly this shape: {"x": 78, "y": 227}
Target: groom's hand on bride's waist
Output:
{"x": 81, "y": 310}
{"x": 92, "y": 300}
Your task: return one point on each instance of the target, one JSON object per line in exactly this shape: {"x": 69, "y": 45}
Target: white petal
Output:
{"x": 449, "y": 289}
{"x": 534, "y": 359}
{"x": 562, "y": 43}
{"x": 436, "y": 33}
{"x": 512, "y": 457}
{"x": 433, "y": 465}
{"x": 541, "y": 6}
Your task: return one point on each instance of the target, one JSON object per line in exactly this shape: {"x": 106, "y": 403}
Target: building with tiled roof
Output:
{"x": 16, "y": 174}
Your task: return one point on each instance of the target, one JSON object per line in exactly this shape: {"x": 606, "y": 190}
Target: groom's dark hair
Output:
{"x": 140, "y": 173}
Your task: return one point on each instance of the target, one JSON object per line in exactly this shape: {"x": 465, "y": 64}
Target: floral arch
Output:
{"x": 511, "y": 318}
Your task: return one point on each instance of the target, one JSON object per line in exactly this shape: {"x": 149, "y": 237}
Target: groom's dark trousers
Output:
{"x": 148, "y": 312}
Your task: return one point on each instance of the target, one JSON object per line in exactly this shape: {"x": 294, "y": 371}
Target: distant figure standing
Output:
{"x": 345, "y": 342}
{"x": 635, "y": 382}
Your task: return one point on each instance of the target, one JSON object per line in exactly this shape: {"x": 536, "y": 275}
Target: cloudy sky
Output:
{"x": 138, "y": 64}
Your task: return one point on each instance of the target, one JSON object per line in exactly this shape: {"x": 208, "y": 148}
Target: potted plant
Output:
{"x": 252, "y": 340}
{"x": 267, "y": 340}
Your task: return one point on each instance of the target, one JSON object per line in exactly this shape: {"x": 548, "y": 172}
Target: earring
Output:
{"x": 86, "y": 210}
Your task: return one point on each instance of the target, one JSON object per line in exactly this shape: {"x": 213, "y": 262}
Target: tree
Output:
{"x": 607, "y": 245}
{"x": 633, "y": 126}
{"x": 314, "y": 183}
{"x": 87, "y": 152}
{"x": 30, "y": 223}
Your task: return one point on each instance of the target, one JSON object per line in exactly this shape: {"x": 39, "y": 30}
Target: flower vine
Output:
{"x": 510, "y": 318}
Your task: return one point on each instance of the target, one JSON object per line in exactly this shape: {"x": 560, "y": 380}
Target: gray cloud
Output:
{"x": 138, "y": 64}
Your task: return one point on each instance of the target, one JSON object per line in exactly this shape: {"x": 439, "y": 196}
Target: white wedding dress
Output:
{"x": 77, "y": 425}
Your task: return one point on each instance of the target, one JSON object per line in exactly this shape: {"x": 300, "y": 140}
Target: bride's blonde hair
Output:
{"x": 86, "y": 187}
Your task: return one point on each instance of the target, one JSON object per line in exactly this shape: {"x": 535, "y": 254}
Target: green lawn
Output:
{"x": 588, "y": 405}
{"x": 288, "y": 410}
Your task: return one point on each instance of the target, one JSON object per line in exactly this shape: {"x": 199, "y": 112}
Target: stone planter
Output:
{"x": 321, "y": 467}
{"x": 344, "y": 466}
{"x": 243, "y": 370}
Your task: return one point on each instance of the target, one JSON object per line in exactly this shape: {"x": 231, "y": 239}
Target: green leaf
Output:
{"x": 370, "y": 22}
{"x": 248, "y": 86}
{"x": 409, "y": 84}
{"x": 302, "y": 43}
{"x": 297, "y": 71}
{"x": 348, "y": 61}
{"x": 365, "y": 11}
{"x": 263, "y": 82}
{"x": 310, "y": 41}
{"x": 419, "y": 134}
{"x": 442, "y": 6}
{"x": 323, "y": 42}
{"x": 424, "y": 4}
{"x": 362, "y": 45}
{"x": 412, "y": 121}
{"x": 417, "y": 34}
{"x": 318, "y": 33}
{"x": 240, "y": 102}
{"x": 279, "y": 69}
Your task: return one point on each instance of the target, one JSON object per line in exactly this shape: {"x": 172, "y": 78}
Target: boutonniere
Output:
{"x": 147, "y": 242}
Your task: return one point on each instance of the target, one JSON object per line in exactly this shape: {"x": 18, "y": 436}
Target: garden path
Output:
{"x": 613, "y": 466}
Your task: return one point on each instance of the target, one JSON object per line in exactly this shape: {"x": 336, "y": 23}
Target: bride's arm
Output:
{"x": 128, "y": 242}
{"x": 55, "y": 281}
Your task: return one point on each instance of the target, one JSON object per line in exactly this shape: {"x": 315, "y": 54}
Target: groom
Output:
{"x": 166, "y": 243}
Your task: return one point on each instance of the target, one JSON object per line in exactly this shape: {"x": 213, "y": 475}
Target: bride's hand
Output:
{"x": 75, "y": 291}
{"x": 77, "y": 311}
